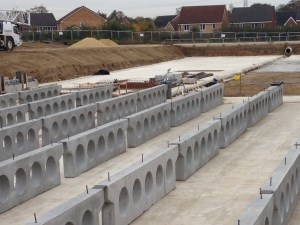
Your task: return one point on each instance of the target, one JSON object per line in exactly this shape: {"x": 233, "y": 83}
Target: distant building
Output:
{"x": 80, "y": 17}
{"x": 168, "y": 22}
{"x": 203, "y": 18}
{"x": 288, "y": 18}
{"x": 254, "y": 17}
{"x": 43, "y": 22}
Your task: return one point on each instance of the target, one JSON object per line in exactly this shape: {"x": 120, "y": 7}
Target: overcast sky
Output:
{"x": 131, "y": 8}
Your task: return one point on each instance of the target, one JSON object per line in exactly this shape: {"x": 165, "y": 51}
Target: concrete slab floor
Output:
{"x": 216, "y": 194}
{"x": 289, "y": 64}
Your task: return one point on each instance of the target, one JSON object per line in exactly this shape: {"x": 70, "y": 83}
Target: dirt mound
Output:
{"x": 88, "y": 43}
{"x": 108, "y": 42}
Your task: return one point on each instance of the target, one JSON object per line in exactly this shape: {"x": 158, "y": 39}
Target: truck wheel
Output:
{"x": 9, "y": 44}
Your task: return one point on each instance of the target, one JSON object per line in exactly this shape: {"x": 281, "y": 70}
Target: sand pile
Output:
{"x": 108, "y": 42}
{"x": 88, "y": 43}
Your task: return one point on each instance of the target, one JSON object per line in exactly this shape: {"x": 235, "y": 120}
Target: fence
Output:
{"x": 132, "y": 37}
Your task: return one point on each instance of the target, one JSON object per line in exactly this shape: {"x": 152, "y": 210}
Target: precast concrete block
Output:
{"x": 94, "y": 95}
{"x": 68, "y": 123}
{"x": 258, "y": 108}
{"x": 83, "y": 209}
{"x": 148, "y": 124}
{"x": 211, "y": 97}
{"x": 13, "y": 115}
{"x": 19, "y": 139}
{"x": 29, "y": 175}
{"x": 49, "y": 106}
{"x": 38, "y": 93}
{"x": 259, "y": 211}
{"x": 116, "y": 108}
{"x": 196, "y": 149}
{"x": 134, "y": 190}
{"x": 9, "y": 99}
{"x": 285, "y": 187}
{"x": 233, "y": 123}
{"x": 275, "y": 97}
{"x": 185, "y": 108}
{"x": 93, "y": 147}
{"x": 152, "y": 96}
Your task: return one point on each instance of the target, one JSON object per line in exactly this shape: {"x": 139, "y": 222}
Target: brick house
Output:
{"x": 254, "y": 17}
{"x": 169, "y": 22}
{"x": 288, "y": 18}
{"x": 203, "y": 18}
{"x": 43, "y": 22}
{"x": 80, "y": 17}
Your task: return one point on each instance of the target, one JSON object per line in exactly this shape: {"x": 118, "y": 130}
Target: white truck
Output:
{"x": 10, "y": 22}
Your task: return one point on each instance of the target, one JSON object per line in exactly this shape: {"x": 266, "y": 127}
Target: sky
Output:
{"x": 131, "y": 8}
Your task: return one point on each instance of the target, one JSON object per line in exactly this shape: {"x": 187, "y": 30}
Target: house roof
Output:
{"x": 76, "y": 10}
{"x": 162, "y": 21}
{"x": 42, "y": 20}
{"x": 284, "y": 16}
{"x": 202, "y": 14}
{"x": 261, "y": 13}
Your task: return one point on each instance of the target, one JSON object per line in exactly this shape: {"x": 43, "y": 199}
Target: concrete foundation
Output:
{"x": 116, "y": 108}
{"x": 258, "y": 108}
{"x": 196, "y": 149}
{"x": 28, "y": 175}
{"x": 7, "y": 100}
{"x": 13, "y": 115}
{"x": 93, "y": 147}
{"x": 151, "y": 97}
{"x": 147, "y": 124}
{"x": 275, "y": 97}
{"x": 94, "y": 95}
{"x": 211, "y": 97}
{"x": 39, "y": 93}
{"x": 84, "y": 209}
{"x": 134, "y": 190}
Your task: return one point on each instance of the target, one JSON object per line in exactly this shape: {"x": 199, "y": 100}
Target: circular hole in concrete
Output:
{"x": 4, "y": 188}
{"x": 178, "y": 114}
{"x": 111, "y": 141}
{"x": 139, "y": 129}
{"x": 3, "y": 104}
{"x": 189, "y": 157}
{"x": 64, "y": 126}
{"x": 114, "y": 111}
{"x": 88, "y": 218}
{"x": 136, "y": 192}
{"x": 43, "y": 95}
{"x": 108, "y": 94}
{"x": 70, "y": 104}
{"x": 20, "y": 181}
{"x": 102, "y": 95}
{"x": 166, "y": 118}
{"x": 197, "y": 103}
{"x": 163, "y": 93}
{"x": 232, "y": 126}
{"x": 90, "y": 119}
{"x": 183, "y": 112}
{"x": 49, "y": 94}
{"x": 267, "y": 221}
{"x": 210, "y": 97}
{"x": 188, "y": 107}
{"x": 11, "y": 102}
{"x": 51, "y": 168}
{"x": 206, "y": 98}
{"x": 55, "y": 92}
{"x": 55, "y": 107}
{"x": 107, "y": 112}
{"x": 153, "y": 123}
{"x": 7, "y": 144}
{"x": 154, "y": 98}
{"x": 126, "y": 107}
{"x": 101, "y": 145}
{"x": 282, "y": 207}
{"x": 120, "y": 137}
{"x": 20, "y": 116}
{"x": 81, "y": 121}
{"x": 148, "y": 184}
{"x": 80, "y": 155}
{"x": 179, "y": 167}
{"x": 120, "y": 108}
{"x": 85, "y": 100}
{"x": 91, "y": 98}
{"x": 214, "y": 95}
{"x": 227, "y": 129}
{"x": 237, "y": 122}
{"x": 28, "y": 98}
{"x": 150, "y": 100}
{"x": 193, "y": 105}
{"x": 36, "y": 174}
{"x": 1, "y": 122}
{"x": 40, "y": 111}
{"x": 216, "y": 139}
{"x": 146, "y": 125}
{"x": 63, "y": 105}
{"x": 91, "y": 150}
{"x": 159, "y": 120}
{"x": 158, "y": 95}
{"x": 202, "y": 148}
{"x": 202, "y": 104}
{"x": 55, "y": 129}
{"x": 73, "y": 123}
{"x": 123, "y": 201}
{"x": 145, "y": 101}
{"x": 196, "y": 151}
{"x": 20, "y": 140}
{"x": 78, "y": 102}
{"x": 209, "y": 143}
{"x": 297, "y": 181}
{"x": 48, "y": 109}
{"x": 159, "y": 176}
{"x": 97, "y": 97}
{"x": 169, "y": 171}
{"x": 293, "y": 192}
{"x": 10, "y": 119}
{"x": 287, "y": 198}
{"x": 132, "y": 105}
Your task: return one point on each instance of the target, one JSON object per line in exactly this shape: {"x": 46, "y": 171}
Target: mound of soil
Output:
{"x": 108, "y": 42}
{"x": 88, "y": 43}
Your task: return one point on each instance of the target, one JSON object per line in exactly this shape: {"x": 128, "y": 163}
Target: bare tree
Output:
{"x": 38, "y": 9}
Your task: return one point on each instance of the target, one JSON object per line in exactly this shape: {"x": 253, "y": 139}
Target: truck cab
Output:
{"x": 10, "y": 36}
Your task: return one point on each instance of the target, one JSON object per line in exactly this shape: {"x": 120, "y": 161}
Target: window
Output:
{"x": 81, "y": 24}
{"x": 253, "y": 25}
{"x": 202, "y": 26}
{"x": 186, "y": 27}
{"x": 214, "y": 26}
